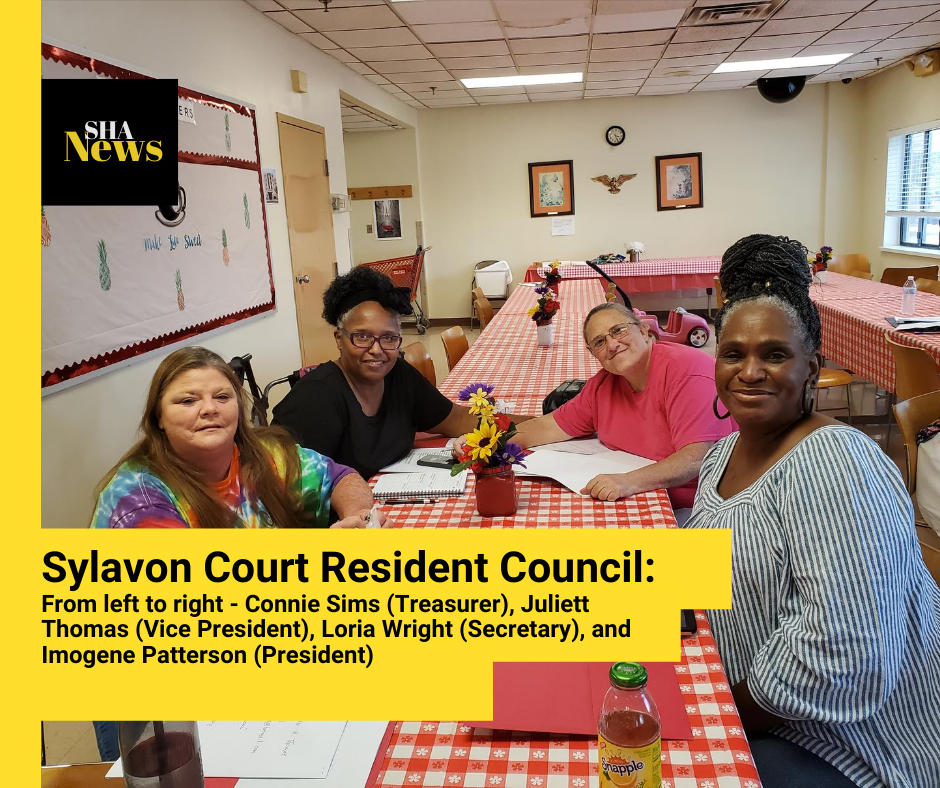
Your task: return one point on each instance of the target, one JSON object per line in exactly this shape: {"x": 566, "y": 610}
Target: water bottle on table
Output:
{"x": 907, "y": 300}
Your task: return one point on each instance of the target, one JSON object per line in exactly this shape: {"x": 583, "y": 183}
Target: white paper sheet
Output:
{"x": 257, "y": 749}
{"x": 409, "y": 463}
{"x": 576, "y": 470}
{"x": 562, "y": 225}
{"x": 577, "y": 446}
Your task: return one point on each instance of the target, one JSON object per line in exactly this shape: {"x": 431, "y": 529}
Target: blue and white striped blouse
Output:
{"x": 835, "y": 620}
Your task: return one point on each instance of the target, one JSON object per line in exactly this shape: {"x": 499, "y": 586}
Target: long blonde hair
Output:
{"x": 259, "y": 476}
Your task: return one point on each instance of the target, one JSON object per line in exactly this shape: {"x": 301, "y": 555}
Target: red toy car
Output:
{"x": 681, "y": 327}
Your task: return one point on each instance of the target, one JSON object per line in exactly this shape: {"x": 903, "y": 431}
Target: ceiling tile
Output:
{"x": 424, "y": 91}
{"x": 265, "y": 5}
{"x": 836, "y": 49}
{"x": 470, "y": 31}
{"x": 933, "y": 17}
{"x": 572, "y": 27}
{"x": 469, "y": 49}
{"x": 920, "y": 29}
{"x": 887, "y": 58}
{"x": 663, "y": 69}
{"x": 538, "y": 12}
{"x": 342, "y": 56}
{"x": 507, "y": 91}
{"x": 856, "y": 34}
{"x": 749, "y": 76}
{"x": 502, "y": 99}
{"x": 405, "y": 66}
{"x": 440, "y": 85}
{"x": 702, "y": 48}
{"x": 558, "y": 68}
{"x": 627, "y": 53}
{"x": 911, "y": 41}
{"x": 796, "y": 8}
{"x": 809, "y": 24}
{"x": 615, "y": 76}
{"x": 551, "y": 88}
{"x": 637, "y": 39}
{"x": 494, "y": 61}
{"x": 696, "y": 60}
{"x": 551, "y": 58}
{"x": 850, "y": 68}
{"x": 702, "y": 87}
{"x": 484, "y": 72}
{"x": 420, "y": 76}
{"x": 605, "y": 7}
{"x": 568, "y": 95}
{"x": 794, "y": 72}
{"x": 290, "y": 22}
{"x": 664, "y": 90}
{"x": 635, "y": 64}
{"x": 378, "y": 79}
{"x": 780, "y": 42}
{"x": 894, "y": 16}
{"x": 673, "y": 81}
{"x": 761, "y": 54}
{"x": 445, "y": 11}
{"x": 380, "y": 54}
{"x": 688, "y": 35}
{"x": 530, "y": 46}
{"x": 320, "y": 42}
{"x": 360, "y": 68}
{"x": 615, "y": 84}
{"x": 454, "y": 102}
{"x": 395, "y": 36}
{"x": 356, "y": 18}
{"x": 880, "y": 5}
{"x": 648, "y": 20}
{"x": 291, "y": 5}
{"x": 609, "y": 93}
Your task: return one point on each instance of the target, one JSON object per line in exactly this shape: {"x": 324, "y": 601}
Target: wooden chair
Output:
{"x": 455, "y": 345}
{"x": 830, "y": 378}
{"x": 484, "y": 310}
{"x": 861, "y": 275}
{"x": 719, "y": 293}
{"x": 417, "y": 355}
{"x": 474, "y": 294}
{"x": 916, "y": 372}
{"x": 846, "y": 263}
{"x": 898, "y": 276}
{"x": 928, "y": 286}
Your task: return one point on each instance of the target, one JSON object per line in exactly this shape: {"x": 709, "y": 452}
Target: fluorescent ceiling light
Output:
{"x": 526, "y": 79}
{"x": 783, "y": 62}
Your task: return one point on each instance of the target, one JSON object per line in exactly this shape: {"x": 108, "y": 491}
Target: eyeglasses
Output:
{"x": 364, "y": 340}
{"x": 617, "y": 333}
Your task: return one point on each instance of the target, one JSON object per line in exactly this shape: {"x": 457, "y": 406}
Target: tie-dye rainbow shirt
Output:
{"x": 136, "y": 498}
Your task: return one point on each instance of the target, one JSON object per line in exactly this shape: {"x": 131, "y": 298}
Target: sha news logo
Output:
{"x": 106, "y": 138}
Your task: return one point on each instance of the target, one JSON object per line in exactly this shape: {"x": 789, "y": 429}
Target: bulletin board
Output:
{"x": 120, "y": 281}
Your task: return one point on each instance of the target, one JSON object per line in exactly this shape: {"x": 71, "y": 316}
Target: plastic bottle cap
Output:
{"x": 628, "y": 675}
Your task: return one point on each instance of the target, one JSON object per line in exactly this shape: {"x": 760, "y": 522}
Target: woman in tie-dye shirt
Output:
{"x": 200, "y": 464}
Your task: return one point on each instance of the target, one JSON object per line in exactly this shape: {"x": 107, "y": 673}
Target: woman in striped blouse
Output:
{"x": 832, "y": 644}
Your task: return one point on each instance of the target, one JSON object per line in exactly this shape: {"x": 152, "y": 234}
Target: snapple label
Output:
{"x": 629, "y": 766}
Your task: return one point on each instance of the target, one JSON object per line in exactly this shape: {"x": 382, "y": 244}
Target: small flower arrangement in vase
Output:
{"x": 819, "y": 262}
{"x": 544, "y": 311}
{"x": 490, "y": 453}
{"x": 552, "y": 275}
{"x": 635, "y": 249}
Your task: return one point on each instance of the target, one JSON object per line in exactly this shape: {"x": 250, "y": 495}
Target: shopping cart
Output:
{"x": 406, "y": 272}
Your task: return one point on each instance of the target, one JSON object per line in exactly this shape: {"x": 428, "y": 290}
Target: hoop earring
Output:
{"x": 715, "y": 410}
{"x": 807, "y": 400}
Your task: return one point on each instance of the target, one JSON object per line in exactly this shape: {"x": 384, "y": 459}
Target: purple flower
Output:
{"x": 826, "y": 249}
{"x": 512, "y": 454}
{"x": 466, "y": 391}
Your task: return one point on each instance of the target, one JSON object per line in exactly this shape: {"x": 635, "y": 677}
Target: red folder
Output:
{"x": 566, "y": 697}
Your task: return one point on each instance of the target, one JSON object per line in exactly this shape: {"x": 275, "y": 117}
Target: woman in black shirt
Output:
{"x": 364, "y": 409}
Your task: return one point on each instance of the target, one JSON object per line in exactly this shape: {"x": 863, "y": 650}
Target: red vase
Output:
{"x": 496, "y": 492}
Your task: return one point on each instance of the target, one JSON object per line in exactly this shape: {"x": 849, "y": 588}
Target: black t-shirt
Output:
{"x": 323, "y": 414}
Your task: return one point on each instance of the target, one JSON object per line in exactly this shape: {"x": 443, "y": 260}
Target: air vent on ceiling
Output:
{"x": 726, "y": 13}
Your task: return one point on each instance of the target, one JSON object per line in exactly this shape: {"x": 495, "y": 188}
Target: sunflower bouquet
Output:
{"x": 552, "y": 275}
{"x": 819, "y": 261}
{"x": 546, "y": 306}
{"x": 490, "y": 444}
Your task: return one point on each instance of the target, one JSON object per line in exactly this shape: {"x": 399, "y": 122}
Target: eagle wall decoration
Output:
{"x": 613, "y": 184}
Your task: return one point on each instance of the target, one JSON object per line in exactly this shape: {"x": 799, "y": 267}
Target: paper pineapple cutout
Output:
{"x": 228, "y": 135}
{"x": 104, "y": 273}
{"x": 247, "y": 215}
{"x": 224, "y": 248}
{"x": 180, "y": 299}
{"x": 46, "y": 233}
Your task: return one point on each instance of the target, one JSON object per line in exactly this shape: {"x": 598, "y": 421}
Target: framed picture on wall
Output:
{"x": 551, "y": 188}
{"x": 387, "y": 219}
{"x": 679, "y": 181}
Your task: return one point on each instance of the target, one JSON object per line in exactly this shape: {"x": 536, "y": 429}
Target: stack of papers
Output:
{"x": 917, "y": 325}
{"x": 575, "y": 463}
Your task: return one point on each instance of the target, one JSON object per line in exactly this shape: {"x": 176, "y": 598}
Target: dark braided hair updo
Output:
{"x": 773, "y": 270}
{"x": 359, "y": 285}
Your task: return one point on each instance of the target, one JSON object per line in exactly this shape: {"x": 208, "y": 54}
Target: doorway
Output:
{"x": 310, "y": 232}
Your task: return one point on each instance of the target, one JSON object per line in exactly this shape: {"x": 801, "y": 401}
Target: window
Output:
{"x": 912, "y": 193}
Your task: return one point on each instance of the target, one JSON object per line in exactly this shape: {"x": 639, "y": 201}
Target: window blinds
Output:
{"x": 913, "y": 179}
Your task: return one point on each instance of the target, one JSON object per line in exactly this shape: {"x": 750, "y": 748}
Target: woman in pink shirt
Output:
{"x": 653, "y": 399}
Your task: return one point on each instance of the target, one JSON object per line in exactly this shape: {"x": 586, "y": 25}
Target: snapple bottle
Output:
{"x": 628, "y": 731}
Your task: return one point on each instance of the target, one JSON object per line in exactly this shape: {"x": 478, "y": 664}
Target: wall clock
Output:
{"x": 615, "y": 135}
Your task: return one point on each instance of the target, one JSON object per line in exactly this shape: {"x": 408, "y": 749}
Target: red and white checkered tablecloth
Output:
{"x": 853, "y": 332}
{"x": 841, "y": 287}
{"x": 647, "y": 276}
{"x": 454, "y": 755}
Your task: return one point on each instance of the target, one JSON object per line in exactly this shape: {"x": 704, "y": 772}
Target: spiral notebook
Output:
{"x": 419, "y": 485}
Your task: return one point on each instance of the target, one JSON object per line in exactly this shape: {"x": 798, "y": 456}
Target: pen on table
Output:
{"x": 407, "y": 500}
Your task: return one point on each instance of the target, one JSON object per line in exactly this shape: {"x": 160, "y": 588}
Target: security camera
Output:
{"x": 779, "y": 90}
{"x": 846, "y": 80}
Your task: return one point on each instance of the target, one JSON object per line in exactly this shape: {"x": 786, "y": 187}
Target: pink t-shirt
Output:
{"x": 674, "y": 410}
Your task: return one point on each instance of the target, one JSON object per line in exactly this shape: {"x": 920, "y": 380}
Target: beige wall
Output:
{"x": 763, "y": 166}
{"x": 226, "y": 48}
{"x": 894, "y": 99}
{"x": 382, "y": 158}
